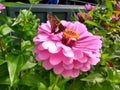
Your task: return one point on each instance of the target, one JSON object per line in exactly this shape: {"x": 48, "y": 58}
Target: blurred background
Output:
{"x": 71, "y": 2}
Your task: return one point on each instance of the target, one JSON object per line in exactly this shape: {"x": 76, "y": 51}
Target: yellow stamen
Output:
{"x": 70, "y": 34}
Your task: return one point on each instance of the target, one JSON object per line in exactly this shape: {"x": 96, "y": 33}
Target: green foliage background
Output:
{"x": 20, "y": 71}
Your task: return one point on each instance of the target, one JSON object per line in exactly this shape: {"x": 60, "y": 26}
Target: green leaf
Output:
{"x": 102, "y": 86}
{"x": 34, "y": 1}
{"x": 22, "y": 59}
{"x": 117, "y": 78}
{"x": 104, "y": 58}
{"x": 28, "y": 65}
{"x": 15, "y": 63}
{"x": 113, "y": 75}
{"x": 91, "y": 23}
{"x": 91, "y": 12}
{"x": 23, "y": 16}
{"x": 30, "y": 79}
{"x": 26, "y": 45}
{"x": 12, "y": 67}
{"x": 1, "y": 1}
{"x": 5, "y": 29}
{"x": 4, "y": 76}
{"x": 3, "y": 87}
{"x": 2, "y": 61}
{"x": 63, "y": 83}
{"x": 108, "y": 5}
{"x": 42, "y": 86}
{"x": 5, "y": 80}
{"x": 110, "y": 75}
{"x": 74, "y": 17}
{"x": 6, "y": 19}
{"x": 82, "y": 14}
{"x": 3, "y": 70}
{"x": 7, "y": 4}
{"x": 95, "y": 77}
{"x": 52, "y": 78}
{"x": 55, "y": 88}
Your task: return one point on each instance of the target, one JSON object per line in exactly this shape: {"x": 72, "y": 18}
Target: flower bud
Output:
{"x": 118, "y": 5}
{"x": 89, "y": 7}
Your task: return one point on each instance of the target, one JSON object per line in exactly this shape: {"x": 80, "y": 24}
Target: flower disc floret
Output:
{"x": 70, "y": 34}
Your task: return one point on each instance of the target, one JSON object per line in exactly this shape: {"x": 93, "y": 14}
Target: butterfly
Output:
{"x": 56, "y": 26}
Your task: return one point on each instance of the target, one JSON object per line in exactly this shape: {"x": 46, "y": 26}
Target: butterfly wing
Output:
{"x": 56, "y": 26}
{"x": 53, "y": 22}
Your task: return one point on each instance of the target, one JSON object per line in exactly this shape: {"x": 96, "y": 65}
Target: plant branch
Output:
{"x": 56, "y": 81}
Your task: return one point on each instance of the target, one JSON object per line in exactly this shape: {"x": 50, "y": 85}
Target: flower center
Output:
{"x": 70, "y": 34}
{"x": 69, "y": 37}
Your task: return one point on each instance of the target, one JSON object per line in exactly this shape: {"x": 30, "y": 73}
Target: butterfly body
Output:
{"x": 56, "y": 26}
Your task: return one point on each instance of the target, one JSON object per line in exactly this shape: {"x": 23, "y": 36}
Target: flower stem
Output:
{"x": 30, "y": 7}
{"x": 56, "y": 81}
{"x": 2, "y": 49}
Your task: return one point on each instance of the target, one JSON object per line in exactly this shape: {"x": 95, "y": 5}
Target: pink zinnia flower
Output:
{"x": 68, "y": 52}
{"x": 114, "y": 18}
{"x": 1, "y": 7}
{"x": 81, "y": 19}
{"x": 118, "y": 5}
{"x": 89, "y": 7}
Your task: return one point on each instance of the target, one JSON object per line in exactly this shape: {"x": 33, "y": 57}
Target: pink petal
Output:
{"x": 85, "y": 68}
{"x": 81, "y": 29}
{"x": 92, "y": 58}
{"x": 56, "y": 37}
{"x": 44, "y": 27}
{"x": 83, "y": 60}
{"x": 43, "y": 55}
{"x": 58, "y": 69}
{"x": 75, "y": 73}
{"x": 43, "y": 37}
{"x": 91, "y": 42}
{"x": 67, "y": 73}
{"x": 68, "y": 61}
{"x": 68, "y": 24}
{"x": 94, "y": 61}
{"x": 68, "y": 67}
{"x": 47, "y": 65}
{"x": 50, "y": 46}
{"x": 36, "y": 40}
{"x": 96, "y": 54}
{"x": 67, "y": 51}
{"x": 38, "y": 48}
{"x": 89, "y": 7}
{"x": 89, "y": 39}
{"x": 2, "y": 6}
{"x": 88, "y": 53}
{"x": 56, "y": 59}
{"x": 77, "y": 64}
{"x": 78, "y": 54}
